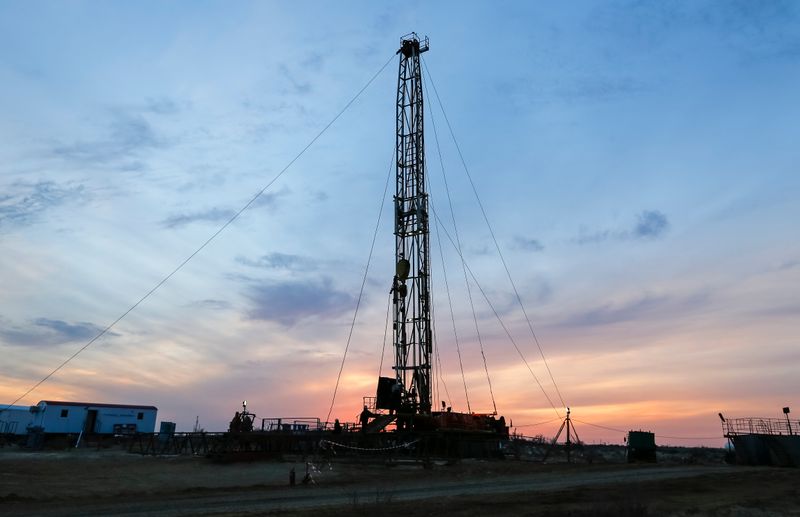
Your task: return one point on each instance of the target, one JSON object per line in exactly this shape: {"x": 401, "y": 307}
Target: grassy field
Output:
{"x": 104, "y": 482}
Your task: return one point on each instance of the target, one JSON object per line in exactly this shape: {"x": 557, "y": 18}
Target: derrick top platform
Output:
{"x": 410, "y": 44}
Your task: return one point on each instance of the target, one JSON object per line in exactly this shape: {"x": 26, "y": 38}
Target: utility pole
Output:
{"x": 567, "y": 422}
{"x": 413, "y": 337}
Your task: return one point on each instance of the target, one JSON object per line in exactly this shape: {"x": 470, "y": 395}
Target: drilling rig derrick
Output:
{"x": 413, "y": 336}
{"x": 409, "y": 394}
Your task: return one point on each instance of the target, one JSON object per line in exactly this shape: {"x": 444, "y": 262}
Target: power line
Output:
{"x": 361, "y": 290}
{"x": 452, "y": 314}
{"x": 607, "y": 428}
{"x": 385, "y": 333}
{"x": 437, "y": 362}
{"x": 497, "y": 316}
{"x": 458, "y": 243}
{"x": 207, "y": 241}
{"x": 441, "y": 375}
{"x": 491, "y": 232}
{"x": 601, "y": 426}
{"x": 539, "y": 423}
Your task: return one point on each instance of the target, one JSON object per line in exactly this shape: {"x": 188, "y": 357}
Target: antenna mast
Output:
{"x": 413, "y": 337}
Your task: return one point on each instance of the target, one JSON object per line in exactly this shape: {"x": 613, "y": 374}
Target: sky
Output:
{"x": 637, "y": 163}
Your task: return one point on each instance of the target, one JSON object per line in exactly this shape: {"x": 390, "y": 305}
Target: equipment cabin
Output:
{"x": 59, "y": 417}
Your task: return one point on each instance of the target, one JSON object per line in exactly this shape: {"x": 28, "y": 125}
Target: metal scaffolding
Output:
{"x": 413, "y": 337}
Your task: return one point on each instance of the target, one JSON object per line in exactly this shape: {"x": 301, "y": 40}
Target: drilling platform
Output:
{"x": 399, "y": 420}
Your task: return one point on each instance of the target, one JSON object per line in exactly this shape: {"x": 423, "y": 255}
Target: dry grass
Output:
{"x": 689, "y": 482}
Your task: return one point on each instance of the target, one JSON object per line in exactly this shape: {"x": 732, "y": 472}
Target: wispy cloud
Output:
{"x": 779, "y": 311}
{"x": 645, "y": 307}
{"x": 756, "y": 29}
{"x": 598, "y": 88}
{"x": 590, "y": 237}
{"x": 217, "y": 305}
{"x": 287, "y": 302}
{"x": 320, "y": 196}
{"x": 128, "y": 134}
{"x": 649, "y": 225}
{"x": 284, "y": 261}
{"x": 270, "y": 199}
{"x": 46, "y": 332}
{"x": 29, "y": 200}
{"x": 216, "y": 214}
{"x": 481, "y": 250}
{"x": 571, "y": 89}
{"x": 527, "y": 244}
{"x": 750, "y": 28}
{"x": 211, "y": 215}
{"x": 313, "y": 61}
{"x": 295, "y": 85}
{"x": 161, "y": 106}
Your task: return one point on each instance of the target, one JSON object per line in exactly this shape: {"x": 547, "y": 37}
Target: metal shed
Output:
{"x": 60, "y": 417}
{"x": 15, "y": 419}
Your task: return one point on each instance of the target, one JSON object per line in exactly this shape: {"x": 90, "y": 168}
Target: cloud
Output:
{"x": 481, "y": 250}
{"x": 585, "y": 237}
{"x": 210, "y": 215}
{"x": 296, "y": 86}
{"x": 650, "y": 225}
{"x": 29, "y": 200}
{"x": 527, "y": 244}
{"x": 542, "y": 290}
{"x": 48, "y": 333}
{"x": 571, "y": 89}
{"x": 277, "y": 260}
{"x": 598, "y": 88}
{"x": 645, "y": 307}
{"x": 314, "y": 61}
{"x": 127, "y": 135}
{"x": 320, "y": 196}
{"x": 287, "y": 302}
{"x": 791, "y": 310}
{"x": 756, "y": 29}
{"x": 161, "y": 106}
{"x": 217, "y": 305}
{"x": 270, "y": 199}
{"x": 749, "y": 28}
{"x": 216, "y": 214}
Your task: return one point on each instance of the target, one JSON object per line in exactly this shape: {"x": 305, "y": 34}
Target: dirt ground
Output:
{"x": 109, "y": 482}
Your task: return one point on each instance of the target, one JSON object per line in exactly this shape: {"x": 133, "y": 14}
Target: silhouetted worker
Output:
{"x": 364, "y": 418}
{"x": 337, "y": 427}
{"x": 247, "y": 423}
{"x": 236, "y": 424}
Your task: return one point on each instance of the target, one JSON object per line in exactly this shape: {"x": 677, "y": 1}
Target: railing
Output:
{"x": 424, "y": 42}
{"x": 295, "y": 424}
{"x": 173, "y": 443}
{"x": 765, "y": 426}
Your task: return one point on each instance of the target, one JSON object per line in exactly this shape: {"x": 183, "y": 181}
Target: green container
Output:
{"x": 641, "y": 440}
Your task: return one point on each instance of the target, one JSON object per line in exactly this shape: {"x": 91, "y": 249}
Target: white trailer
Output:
{"x": 58, "y": 417}
{"x": 15, "y": 419}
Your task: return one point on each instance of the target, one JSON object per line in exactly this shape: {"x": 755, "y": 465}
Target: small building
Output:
{"x": 59, "y": 417}
{"x": 641, "y": 446}
{"x": 15, "y": 419}
{"x": 764, "y": 441}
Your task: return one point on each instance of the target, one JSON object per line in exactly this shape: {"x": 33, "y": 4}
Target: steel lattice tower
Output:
{"x": 413, "y": 337}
